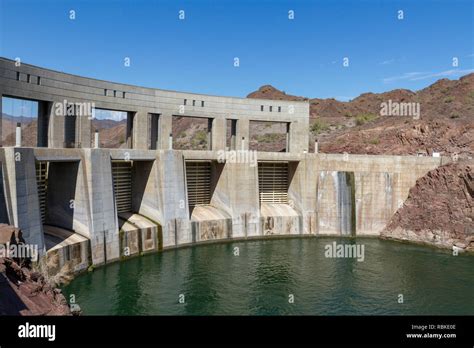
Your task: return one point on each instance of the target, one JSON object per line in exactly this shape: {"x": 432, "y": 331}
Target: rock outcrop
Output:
{"x": 23, "y": 290}
{"x": 439, "y": 210}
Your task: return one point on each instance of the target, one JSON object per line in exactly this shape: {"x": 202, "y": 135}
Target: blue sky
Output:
{"x": 303, "y": 56}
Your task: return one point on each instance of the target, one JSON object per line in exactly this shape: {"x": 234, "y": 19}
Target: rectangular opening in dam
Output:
{"x": 198, "y": 182}
{"x": 30, "y": 115}
{"x": 231, "y": 134}
{"x": 114, "y": 127}
{"x": 134, "y": 194}
{"x": 56, "y": 185}
{"x": 191, "y": 133}
{"x": 122, "y": 178}
{"x": 57, "y": 181}
{"x": 273, "y": 182}
{"x": 60, "y": 204}
{"x": 133, "y": 184}
{"x": 269, "y": 136}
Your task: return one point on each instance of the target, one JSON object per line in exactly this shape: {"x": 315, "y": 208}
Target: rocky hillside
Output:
{"x": 439, "y": 209}
{"x": 445, "y": 123}
{"x": 112, "y": 134}
{"x": 28, "y": 130}
{"x": 270, "y": 92}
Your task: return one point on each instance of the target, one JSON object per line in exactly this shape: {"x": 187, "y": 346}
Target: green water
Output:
{"x": 261, "y": 279}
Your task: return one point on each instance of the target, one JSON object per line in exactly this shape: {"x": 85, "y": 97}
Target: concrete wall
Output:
{"x": 381, "y": 186}
{"x": 159, "y": 195}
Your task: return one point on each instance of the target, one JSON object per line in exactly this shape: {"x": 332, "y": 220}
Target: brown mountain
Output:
{"x": 446, "y": 122}
{"x": 28, "y": 130}
{"x": 270, "y": 92}
{"x": 112, "y": 134}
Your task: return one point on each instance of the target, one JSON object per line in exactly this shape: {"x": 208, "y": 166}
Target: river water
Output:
{"x": 282, "y": 277}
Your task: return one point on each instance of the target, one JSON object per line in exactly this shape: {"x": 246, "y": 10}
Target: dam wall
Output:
{"x": 80, "y": 196}
{"x": 83, "y": 204}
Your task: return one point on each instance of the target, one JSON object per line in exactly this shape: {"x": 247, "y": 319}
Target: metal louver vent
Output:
{"x": 122, "y": 175}
{"x": 273, "y": 182}
{"x": 198, "y": 180}
{"x": 42, "y": 184}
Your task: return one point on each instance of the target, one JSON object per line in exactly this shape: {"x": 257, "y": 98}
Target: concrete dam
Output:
{"x": 85, "y": 204}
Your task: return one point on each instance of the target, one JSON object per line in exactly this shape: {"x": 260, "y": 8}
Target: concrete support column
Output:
{"x": 104, "y": 232}
{"x": 243, "y": 134}
{"x": 242, "y": 203}
{"x": 83, "y": 131}
{"x": 21, "y": 191}
{"x": 141, "y": 132}
{"x": 55, "y": 125}
{"x": 166, "y": 127}
{"x": 18, "y": 135}
{"x": 174, "y": 205}
{"x": 96, "y": 139}
{"x": 219, "y": 133}
{"x": 302, "y": 193}
{"x": 129, "y": 131}
{"x": 299, "y": 135}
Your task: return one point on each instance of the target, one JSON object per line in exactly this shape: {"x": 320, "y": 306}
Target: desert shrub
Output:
{"x": 200, "y": 138}
{"x": 269, "y": 137}
{"x": 374, "y": 141}
{"x": 318, "y": 126}
{"x": 364, "y": 118}
{"x": 448, "y": 99}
